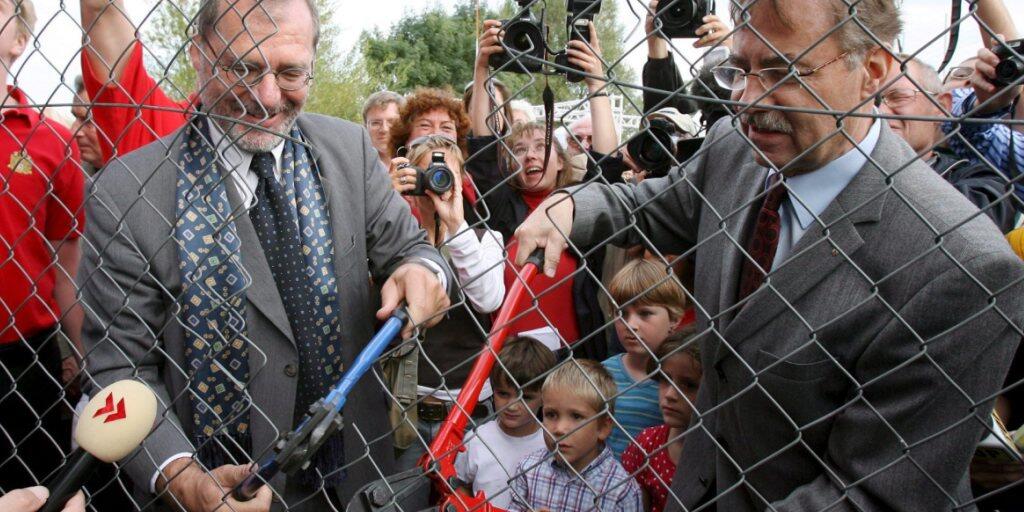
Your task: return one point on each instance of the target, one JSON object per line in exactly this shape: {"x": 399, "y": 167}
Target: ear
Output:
{"x": 877, "y": 65}
{"x": 604, "y": 426}
{"x": 946, "y": 100}
{"x": 20, "y": 41}
{"x": 196, "y": 56}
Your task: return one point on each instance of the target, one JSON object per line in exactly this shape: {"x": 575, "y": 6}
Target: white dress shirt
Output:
{"x": 810, "y": 193}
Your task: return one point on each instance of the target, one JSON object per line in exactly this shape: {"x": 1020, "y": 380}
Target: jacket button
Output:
{"x": 291, "y": 369}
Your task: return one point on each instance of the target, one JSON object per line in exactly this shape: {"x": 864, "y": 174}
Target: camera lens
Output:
{"x": 679, "y": 14}
{"x": 440, "y": 180}
{"x": 1009, "y": 71}
{"x": 523, "y": 37}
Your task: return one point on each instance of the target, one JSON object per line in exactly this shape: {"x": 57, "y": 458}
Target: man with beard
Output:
{"x": 227, "y": 270}
{"x": 862, "y": 312}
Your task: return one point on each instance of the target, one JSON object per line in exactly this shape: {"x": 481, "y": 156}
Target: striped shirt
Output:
{"x": 991, "y": 140}
{"x": 636, "y": 405}
{"x": 541, "y": 482}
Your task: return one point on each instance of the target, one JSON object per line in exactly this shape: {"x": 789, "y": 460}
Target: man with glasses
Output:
{"x": 859, "y": 312}
{"x": 227, "y": 269}
{"x": 911, "y": 96}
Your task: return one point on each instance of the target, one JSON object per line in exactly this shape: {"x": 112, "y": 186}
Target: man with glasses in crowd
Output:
{"x": 863, "y": 313}
{"x": 234, "y": 281}
{"x": 918, "y": 93}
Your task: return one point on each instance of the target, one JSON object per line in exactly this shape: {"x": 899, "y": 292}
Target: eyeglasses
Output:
{"x": 898, "y": 98}
{"x": 735, "y": 79}
{"x": 290, "y": 79}
{"x": 958, "y": 73}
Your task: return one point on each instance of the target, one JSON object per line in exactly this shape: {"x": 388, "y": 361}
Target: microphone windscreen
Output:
{"x": 116, "y": 420}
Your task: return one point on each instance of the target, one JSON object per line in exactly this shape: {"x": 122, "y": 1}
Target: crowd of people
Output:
{"x": 812, "y": 305}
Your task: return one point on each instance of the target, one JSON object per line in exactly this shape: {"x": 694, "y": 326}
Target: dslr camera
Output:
{"x": 579, "y": 14}
{"x": 437, "y": 177}
{"x": 1010, "y": 67}
{"x": 682, "y": 18}
{"x": 666, "y": 141}
{"x": 524, "y": 36}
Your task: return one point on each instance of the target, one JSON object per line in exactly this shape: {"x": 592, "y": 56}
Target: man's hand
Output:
{"x": 424, "y": 296}
{"x": 996, "y": 96}
{"x": 198, "y": 491}
{"x": 547, "y": 227}
{"x": 31, "y": 499}
{"x": 712, "y": 32}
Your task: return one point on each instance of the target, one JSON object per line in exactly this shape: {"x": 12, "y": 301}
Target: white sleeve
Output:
{"x": 479, "y": 265}
{"x": 465, "y": 468}
{"x": 160, "y": 469}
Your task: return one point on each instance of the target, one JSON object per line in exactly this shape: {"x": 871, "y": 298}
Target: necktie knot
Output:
{"x": 776, "y": 193}
{"x": 264, "y": 164}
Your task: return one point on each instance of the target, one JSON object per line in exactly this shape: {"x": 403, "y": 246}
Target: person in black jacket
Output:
{"x": 918, "y": 92}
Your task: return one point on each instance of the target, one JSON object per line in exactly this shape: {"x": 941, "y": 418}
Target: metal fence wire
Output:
{"x": 790, "y": 282}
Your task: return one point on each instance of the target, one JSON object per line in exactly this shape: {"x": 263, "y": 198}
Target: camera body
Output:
{"x": 579, "y": 14}
{"x": 682, "y": 18}
{"x": 1010, "y": 67}
{"x": 524, "y": 35}
{"x": 437, "y": 177}
{"x": 667, "y": 139}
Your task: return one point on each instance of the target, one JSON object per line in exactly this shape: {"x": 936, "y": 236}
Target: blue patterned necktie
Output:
{"x": 291, "y": 223}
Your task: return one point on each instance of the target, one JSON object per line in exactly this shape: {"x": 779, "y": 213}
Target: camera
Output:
{"x": 524, "y": 36}
{"x": 682, "y": 18}
{"x": 664, "y": 142}
{"x": 1010, "y": 67}
{"x": 579, "y": 14}
{"x": 437, "y": 177}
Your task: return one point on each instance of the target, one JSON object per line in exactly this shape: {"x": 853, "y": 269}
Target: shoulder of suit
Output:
{"x": 323, "y": 122}
{"x": 123, "y": 174}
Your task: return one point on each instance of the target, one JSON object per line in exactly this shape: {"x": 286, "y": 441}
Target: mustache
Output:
{"x": 769, "y": 121}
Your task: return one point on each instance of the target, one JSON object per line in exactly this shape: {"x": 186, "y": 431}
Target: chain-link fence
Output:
{"x": 790, "y": 282}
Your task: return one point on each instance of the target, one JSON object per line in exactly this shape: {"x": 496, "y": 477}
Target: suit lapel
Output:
{"x": 820, "y": 251}
{"x": 749, "y": 193}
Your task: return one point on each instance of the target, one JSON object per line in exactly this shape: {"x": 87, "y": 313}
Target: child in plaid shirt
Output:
{"x": 576, "y": 472}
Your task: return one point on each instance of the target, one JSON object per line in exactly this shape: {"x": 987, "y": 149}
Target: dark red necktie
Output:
{"x": 764, "y": 240}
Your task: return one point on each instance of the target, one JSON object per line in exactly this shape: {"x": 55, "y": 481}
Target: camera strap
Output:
{"x": 954, "y": 33}
{"x": 548, "y": 96}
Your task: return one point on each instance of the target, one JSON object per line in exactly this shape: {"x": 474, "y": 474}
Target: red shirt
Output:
{"x": 658, "y": 469}
{"x": 40, "y": 199}
{"x": 556, "y": 300}
{"x": 124, "y": 129}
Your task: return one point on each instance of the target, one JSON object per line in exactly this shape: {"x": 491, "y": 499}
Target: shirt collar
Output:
{"x": 811, "y": 193}
{"x": 601, "y": 457}
{"x": 233, "y": 156}
{"x": 19, "y": 107}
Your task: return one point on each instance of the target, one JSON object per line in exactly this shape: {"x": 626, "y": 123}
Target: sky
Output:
{"x": 47, "y": 71}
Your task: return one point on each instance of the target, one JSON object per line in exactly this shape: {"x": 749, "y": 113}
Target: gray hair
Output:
{"x": 209, "y": 14}
{"x": 880, "y": 20}
{"x": 922, "y": 74}
{"x": 381, "y": 99}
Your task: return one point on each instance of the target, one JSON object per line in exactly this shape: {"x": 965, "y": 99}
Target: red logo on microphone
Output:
{"x": 108, "y": 408}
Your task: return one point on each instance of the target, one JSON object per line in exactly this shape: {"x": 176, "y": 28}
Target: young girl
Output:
{"x": 652, "y": 303}
{"x": 654, "y": 455}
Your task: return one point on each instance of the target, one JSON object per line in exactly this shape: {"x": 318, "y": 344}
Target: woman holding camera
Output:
{"x": 446, "y": 353}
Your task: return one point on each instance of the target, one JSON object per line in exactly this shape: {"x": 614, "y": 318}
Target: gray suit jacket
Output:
{"x": 861, "y": 376}
{"x": 130, "y": 280}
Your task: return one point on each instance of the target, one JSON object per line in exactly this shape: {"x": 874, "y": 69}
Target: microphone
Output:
{"x": 114, "y": 422}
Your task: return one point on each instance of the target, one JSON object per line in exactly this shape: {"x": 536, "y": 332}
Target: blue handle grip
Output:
{"x": 366, "y": 358}
{"x": 246, "y": 490}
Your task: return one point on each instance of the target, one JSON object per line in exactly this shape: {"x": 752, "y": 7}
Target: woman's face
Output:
{"x": 433, "y": 122}
{"x": 528, "y": 151}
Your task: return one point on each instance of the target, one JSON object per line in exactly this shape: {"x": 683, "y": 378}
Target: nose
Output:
{"x": 514, "y": 406}
{"x": 750, "y": 94}
{"x": 267, "y": 92}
